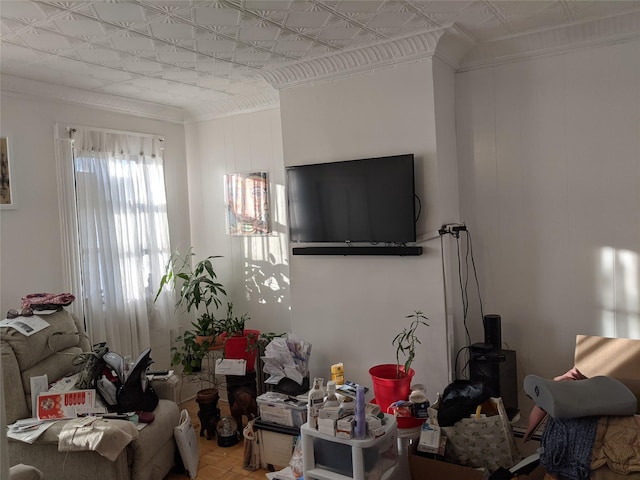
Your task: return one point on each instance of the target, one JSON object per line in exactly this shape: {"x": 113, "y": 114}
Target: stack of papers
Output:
{"x": 287, "y": 357}
{"x": 28, "y": 430}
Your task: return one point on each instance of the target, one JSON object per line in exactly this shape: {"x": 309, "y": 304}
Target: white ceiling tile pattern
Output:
{"x": 188, "y": 53}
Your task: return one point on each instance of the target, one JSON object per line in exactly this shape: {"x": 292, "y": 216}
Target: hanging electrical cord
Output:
{"x": 463, "y": 281}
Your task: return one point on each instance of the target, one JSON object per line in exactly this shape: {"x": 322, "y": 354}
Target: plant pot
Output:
{"x": 198, "y": 367}
{"x": 218, "y": 343}
{"x": 200, "y": 339}
{"x": 207, "y": 395}
{"x": 387, "y": 387}
{"x": 243, "y": 347}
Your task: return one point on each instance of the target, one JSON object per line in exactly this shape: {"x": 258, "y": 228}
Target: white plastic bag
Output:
{"x": 187, "y": 442}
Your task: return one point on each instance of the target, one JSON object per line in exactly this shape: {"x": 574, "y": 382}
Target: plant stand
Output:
{"x": 242, "y": 385}
{"x": 209, "y": 413}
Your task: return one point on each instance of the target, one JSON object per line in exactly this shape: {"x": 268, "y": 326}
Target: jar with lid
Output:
{"x": 418, "y": 398}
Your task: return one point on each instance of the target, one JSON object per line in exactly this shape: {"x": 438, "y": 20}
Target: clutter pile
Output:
{"x": 286, "y": 358}
{"x": 343, "y": 416}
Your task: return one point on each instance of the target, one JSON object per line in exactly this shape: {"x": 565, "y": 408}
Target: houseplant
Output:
{"x": 189, "y": 354}
{"x": 197, "y": 288}
{"x": 239, "y": 342}
{"x": 392, "y": 382}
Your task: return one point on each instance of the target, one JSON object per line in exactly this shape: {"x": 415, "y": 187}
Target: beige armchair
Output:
{"x": 51, "y": 351}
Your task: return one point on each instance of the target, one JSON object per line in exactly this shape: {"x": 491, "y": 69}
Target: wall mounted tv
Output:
{"x": 370, "y": 200}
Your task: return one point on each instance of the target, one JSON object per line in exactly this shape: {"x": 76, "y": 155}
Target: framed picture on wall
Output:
{"x": 247, "y": 203}
{"x": 7, "y": 200}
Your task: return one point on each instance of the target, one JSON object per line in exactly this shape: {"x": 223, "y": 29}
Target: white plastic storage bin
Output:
{"x": 276, "y": 444}
{"x": 326, "y": 457}
{"x": 282, "y": 409}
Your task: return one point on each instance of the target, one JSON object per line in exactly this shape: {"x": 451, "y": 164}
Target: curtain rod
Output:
{"x": 72, "y": 129}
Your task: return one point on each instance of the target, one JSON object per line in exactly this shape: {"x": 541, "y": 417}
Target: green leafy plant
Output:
{"x": 197, "y": 288}
{"x": 199, "y": 283}
{"x": 205, "y": 325}
{"x": 189, "y": 354}
{"x": 406, "y": 341}
{"x": 232, "y": 325}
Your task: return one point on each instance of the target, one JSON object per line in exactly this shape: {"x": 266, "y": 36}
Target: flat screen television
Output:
{"x": 370, "y": 200}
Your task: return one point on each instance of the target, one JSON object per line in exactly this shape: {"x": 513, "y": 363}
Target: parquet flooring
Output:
{"x": 217, "y": 463}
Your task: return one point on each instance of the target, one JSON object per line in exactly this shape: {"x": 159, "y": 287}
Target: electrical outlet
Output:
{"x": 452, "y": 229}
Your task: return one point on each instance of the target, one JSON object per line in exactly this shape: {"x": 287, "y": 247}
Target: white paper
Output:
{"x": 284, "y": 474}
{"x": 64, "y": 384}
{"x": 39, "y": 384}
{"x": 155, "y": 376}
{"x": 27, "y": 326}
{"x": 28, "y": 430}
{"x": 227, "y": 366}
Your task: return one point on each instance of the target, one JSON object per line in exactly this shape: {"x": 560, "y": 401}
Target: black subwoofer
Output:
{"x": 498, "y": 371}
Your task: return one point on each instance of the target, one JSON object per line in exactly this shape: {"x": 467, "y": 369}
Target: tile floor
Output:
{"x": 217, "y": 463}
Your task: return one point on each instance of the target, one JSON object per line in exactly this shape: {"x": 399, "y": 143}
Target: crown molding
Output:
{"x": 357, "y": 60}
{"x": 450, "y": 44}
{"x": 603, "y": 31}
{"x": 265, "y": 100}
{"x": 114, "y": 103}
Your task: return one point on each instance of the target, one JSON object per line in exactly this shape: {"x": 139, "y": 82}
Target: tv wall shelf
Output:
{"x": 398, "y": 251}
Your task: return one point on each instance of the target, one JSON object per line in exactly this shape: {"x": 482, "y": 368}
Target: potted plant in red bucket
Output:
{"x": 239, "y": 342}
{"x": 392, "y": 382}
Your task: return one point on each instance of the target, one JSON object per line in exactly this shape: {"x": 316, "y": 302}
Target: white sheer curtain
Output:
{"x": 123, "y": 237}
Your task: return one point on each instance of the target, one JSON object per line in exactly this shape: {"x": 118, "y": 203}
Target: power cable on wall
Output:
{"x": 455, "y": 230}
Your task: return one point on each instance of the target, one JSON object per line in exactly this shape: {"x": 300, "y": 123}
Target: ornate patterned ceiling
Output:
{"x": 201, "y": 55}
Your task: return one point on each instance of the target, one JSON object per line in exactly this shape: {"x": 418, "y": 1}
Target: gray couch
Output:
{"x": 52, "y": 351}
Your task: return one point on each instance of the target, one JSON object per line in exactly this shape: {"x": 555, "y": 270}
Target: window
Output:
{"x": 121, "y": 236}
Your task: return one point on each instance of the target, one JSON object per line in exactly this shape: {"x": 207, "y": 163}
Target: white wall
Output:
{"x": 350, "y": 308}
{"x": 255, "y": 269}
{"x": 549, "y": 164}
{"x": 30, "y": 235}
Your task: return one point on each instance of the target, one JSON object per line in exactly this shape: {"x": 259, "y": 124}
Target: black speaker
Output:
{"x": 493, "y": 331}
{"x": 499, "y": 372}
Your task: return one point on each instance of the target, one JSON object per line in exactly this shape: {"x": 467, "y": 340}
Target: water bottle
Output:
{"x": 360, "y": 432}
{"x": 316, "y": 397}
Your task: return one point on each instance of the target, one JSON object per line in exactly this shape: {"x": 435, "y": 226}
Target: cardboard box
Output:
{"x": 601, "y": 356}
{"x": 422, "y": 468}
{"x": 51, "y": 406}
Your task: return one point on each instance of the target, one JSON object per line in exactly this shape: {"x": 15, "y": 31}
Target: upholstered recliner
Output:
{"x": 52, "y": 351}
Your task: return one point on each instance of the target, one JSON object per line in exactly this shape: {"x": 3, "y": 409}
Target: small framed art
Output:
{"x": 247, "y": 203}
{"x": 7, "y": 200}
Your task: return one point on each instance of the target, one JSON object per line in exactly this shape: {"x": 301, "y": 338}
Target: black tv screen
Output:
{"x": 369, "y": 200}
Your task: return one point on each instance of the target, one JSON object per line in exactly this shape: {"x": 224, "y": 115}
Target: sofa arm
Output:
{"x": 168, "y": 389}
{"x": 25, "y": 472}
{"x": 14, "y": 395}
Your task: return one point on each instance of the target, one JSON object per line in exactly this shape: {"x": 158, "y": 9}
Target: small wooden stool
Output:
{"x": 209, "y": 413}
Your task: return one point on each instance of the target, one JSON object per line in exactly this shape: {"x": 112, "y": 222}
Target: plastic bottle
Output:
{"x": 316, "y": 397}
{"x": 419, "y": 400}
{"x": 332, "y": 398}
{"x": 360, "y": 432}
{"x": 337, "y": 373}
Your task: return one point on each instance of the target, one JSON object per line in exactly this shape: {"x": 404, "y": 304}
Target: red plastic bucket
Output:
{"x": 387, "y": 387}
{"x": 236, "y": 348}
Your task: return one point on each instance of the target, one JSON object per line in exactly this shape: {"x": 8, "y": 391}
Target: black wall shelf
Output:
{"x": 397, "y": 251}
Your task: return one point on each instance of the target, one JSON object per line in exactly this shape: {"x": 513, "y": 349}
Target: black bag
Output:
{"x": 460, "y": 399}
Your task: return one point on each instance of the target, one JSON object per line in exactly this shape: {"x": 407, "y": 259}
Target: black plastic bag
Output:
{"x": 460, "y": 399}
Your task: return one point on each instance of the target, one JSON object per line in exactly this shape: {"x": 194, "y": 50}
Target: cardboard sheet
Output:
{"x": 614, "y": 357}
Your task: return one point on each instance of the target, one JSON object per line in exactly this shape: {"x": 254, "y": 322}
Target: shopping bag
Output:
{"x": 187, "y": 442}
{"x": 482, "y": 440}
